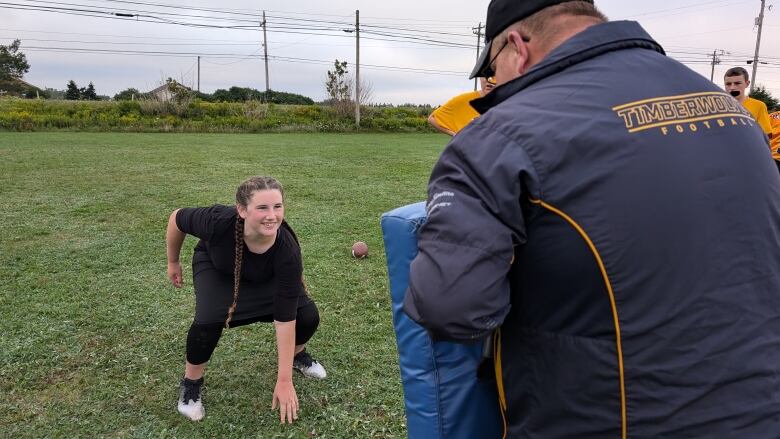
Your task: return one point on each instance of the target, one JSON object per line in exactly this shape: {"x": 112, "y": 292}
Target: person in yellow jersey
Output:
{"x": 456, "y": 113}
{"x": 736, "y": 81}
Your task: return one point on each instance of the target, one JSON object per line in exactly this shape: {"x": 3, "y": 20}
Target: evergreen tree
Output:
{"x": 72, "y": 93}
{"x": 89, "y": 94}
{"x": 763, "y": 95}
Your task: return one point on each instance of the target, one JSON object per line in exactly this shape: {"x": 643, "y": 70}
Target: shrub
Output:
{"x": 152, "y": 115}
{"x": 129, "y": 107}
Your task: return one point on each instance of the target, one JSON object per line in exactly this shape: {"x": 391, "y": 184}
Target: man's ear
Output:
{"x": 521, "y": 48}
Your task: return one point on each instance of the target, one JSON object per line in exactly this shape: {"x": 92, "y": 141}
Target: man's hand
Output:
{"x": 284, "y": 395}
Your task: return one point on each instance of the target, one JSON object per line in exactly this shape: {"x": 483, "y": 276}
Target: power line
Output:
{"x": 250, "y": 56}
{"x": 115, "y": 35}
{"x": 701, "y": 50}
{"x": 672, "y": 50}
{"x": 138, "y": 12}
{"x": 235, "y": 55}
{"x": 322, "y": 24}
{"x": 661, "y": 14}
{"x": 198, "y": 41}
{"x": 112, "y": 16}
{"x": 279, "y": 28}
{"x": 406, "y": 19}
{"x": 383, "y": 29}
{"x": 123, "y": 43}
{"x": 246, "y": 17}
{"x": 685, "y": 60}
{"x": 424, "y": 32}
{"x": 246, "y": 12}
{"x": 187, "y": 8}
{"x": 415, "y": 38}
{"x": 701, "y": 33}
{"x": 133, "y": 52}
{"x": 243, "y": 14}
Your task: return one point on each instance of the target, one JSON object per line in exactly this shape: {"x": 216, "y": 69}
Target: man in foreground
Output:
{"x": 615, "y": 217}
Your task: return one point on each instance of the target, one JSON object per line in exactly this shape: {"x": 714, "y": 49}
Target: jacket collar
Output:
{"x": 590, "y": 43}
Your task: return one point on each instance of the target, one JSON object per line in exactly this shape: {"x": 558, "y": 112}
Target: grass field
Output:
{"x": 92, "y": 335}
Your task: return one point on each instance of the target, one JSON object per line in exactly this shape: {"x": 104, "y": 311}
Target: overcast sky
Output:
{"x": 411, "y": 51}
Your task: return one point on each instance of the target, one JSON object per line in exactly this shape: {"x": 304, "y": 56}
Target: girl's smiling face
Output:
{"x": 264, "y": 213}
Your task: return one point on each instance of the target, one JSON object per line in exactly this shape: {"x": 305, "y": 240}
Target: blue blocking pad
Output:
{"x": 443, "y": 397}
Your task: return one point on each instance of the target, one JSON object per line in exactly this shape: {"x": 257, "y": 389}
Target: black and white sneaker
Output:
{"x": 190, "y": 402}
{"x": 303, "y": 363}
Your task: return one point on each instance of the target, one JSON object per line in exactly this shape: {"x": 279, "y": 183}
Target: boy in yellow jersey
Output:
{"x": 457, "y": 113}
{"x": 736, "y": 81}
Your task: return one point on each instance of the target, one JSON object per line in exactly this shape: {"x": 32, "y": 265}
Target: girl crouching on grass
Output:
{"x": 246, "y": 268}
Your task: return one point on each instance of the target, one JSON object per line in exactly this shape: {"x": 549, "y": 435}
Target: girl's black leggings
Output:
{"x": 202, "y": 339}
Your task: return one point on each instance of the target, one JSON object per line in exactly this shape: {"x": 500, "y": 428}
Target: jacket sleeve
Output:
{"x": 458, "y": 284}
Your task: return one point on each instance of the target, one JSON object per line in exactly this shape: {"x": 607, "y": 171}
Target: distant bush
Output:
{"x": 242, "y": 94}
{"x": 284, "y": 98}
{"x": 394, "y": 119}
{"x": 128, "y": 95}
{"x": 196, "y": 115}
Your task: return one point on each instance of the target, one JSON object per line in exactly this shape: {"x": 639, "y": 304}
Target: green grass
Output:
{"x": 92, "y": 335}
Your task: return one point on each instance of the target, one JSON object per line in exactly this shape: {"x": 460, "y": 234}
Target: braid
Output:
{"x": 237, "y": 269}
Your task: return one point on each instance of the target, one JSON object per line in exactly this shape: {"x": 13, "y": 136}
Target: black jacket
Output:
{"x": 618, "y": 217}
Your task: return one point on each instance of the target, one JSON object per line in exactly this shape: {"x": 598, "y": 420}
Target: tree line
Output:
{"x": 338, "y": 85}
{"x": 233, "y": 94}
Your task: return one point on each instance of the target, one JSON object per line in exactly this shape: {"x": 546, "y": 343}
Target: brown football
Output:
{"x": 359, "y": 249}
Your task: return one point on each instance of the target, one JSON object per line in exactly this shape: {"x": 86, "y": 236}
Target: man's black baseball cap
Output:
{"x": 501, "y": 14}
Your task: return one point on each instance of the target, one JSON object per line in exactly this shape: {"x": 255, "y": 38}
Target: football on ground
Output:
{"x": 359, "y": 250}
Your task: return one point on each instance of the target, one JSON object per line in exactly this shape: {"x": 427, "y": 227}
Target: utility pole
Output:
{"x": 198, "y": 73}
{"x": 716, "y": 54}
{"x": 265, "y": 56}
{"x": 357, "y": 68}
{"x": 478, "y": 32}
{"x": 715, "y": 60}
{"x": 760, "y": 23}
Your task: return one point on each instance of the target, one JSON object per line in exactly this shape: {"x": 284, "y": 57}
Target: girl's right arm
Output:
{"x": 174, "y": 238}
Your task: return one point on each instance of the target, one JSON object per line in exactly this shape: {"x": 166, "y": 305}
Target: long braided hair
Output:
{"x": 243, "y": 196}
